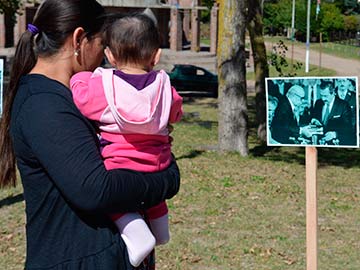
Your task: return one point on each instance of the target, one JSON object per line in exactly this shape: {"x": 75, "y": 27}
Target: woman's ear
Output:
{"x": 110, "y": 56}
{"x": 157, "y": 57}
{"x": 77, "y": 38}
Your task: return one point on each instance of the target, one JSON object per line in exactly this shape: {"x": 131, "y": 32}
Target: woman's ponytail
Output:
{"x": 24, "y": 60}
{"x": 53, "y": 23}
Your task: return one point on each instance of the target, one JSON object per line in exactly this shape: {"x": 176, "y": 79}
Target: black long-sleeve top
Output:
{"x": 68, "y": 192}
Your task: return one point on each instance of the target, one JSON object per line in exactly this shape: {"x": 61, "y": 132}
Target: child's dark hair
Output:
{"x": 55, "y": 21}
{"x": 133, "y": 39}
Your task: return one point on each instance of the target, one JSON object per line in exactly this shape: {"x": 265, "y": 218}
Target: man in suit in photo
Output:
{"x": 346, "y": 91}
{"x": 334, "y": 115}
{"x": 285, "y": 126}
{"x": 272, "y": 105}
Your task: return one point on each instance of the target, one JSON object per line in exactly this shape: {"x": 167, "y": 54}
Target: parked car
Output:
{"x": 190, "y": 80}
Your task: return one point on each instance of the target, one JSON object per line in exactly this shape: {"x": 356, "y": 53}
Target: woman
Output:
{"x": 68, "y": 192}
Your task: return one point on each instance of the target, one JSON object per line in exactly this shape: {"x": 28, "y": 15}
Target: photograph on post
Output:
{"x": 312, "y": 111}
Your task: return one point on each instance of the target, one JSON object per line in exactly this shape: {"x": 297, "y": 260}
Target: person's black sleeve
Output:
{"x": 62, "y": 141}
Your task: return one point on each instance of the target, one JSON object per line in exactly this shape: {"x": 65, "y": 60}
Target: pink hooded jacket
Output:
{"x": 133, "y": 121}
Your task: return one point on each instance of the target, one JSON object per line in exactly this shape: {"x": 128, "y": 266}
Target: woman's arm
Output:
{"x": 65, "y": 144}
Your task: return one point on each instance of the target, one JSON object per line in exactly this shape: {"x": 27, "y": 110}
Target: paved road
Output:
{"x": 343, "y": 67}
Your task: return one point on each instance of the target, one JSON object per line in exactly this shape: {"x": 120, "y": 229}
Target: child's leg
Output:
{"x": 159, "y": 223}
{"x": 137, "y": 237}
{"x": 160, "y": 229}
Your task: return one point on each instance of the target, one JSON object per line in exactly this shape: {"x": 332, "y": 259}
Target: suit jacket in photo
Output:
{"x": 284, "y": 127}
{"x": 339, "y": 120}
{"x": 350, "y": 98}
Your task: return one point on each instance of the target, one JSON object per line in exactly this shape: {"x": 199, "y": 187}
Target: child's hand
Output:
{"x": 170, "y": 128}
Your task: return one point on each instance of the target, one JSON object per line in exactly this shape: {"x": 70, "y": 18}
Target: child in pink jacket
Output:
{"x": 132, "y": 106}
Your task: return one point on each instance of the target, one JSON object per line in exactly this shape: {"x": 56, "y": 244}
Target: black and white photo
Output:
{"x": 312, "y": 111}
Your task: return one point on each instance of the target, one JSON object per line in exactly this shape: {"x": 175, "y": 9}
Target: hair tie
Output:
{"x": 33, "y": 29}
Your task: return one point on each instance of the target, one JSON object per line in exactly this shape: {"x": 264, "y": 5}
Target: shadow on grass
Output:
{"x": 191, "y": 154}
{"x": 201, "y": 101}
{"x": 204, "y": 124}
{"x": 11, "y": 200}
{"x": 343, "y": 157}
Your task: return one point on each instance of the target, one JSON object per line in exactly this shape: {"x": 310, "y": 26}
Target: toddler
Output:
{"x": 132, "y": 106}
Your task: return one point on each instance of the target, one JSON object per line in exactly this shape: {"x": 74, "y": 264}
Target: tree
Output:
{"x": 208, "y": 3}
{"x": 255, "y": 28}
{"x": 351, "y": 23}
{"x": 350, "y": 6}
{"x": 335, "y": 15}
{"x": 233, "y": 114}
{"x": 277, "y": 16}
{"x": 9, "y": 8}
{"x": 330, "y": 20}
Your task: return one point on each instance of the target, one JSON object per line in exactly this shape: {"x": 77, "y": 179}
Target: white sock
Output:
{"x": 137, "y": 236}
{"x": 160, "y": 229}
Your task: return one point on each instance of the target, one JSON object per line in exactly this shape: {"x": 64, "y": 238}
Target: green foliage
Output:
{"x": 350, "y": 3}
{"x": 208, "y": 3}
{"x": 334, "y": 15}
{"x": 347, "y": 7}
{"x": 351, "y": 23}
{"x": 277, "y": 59}
{"x": 330, "y": 18}
{"x": 237, "y": 213}
{"x": 277, "y": 16}
{"x": 10, "y": 6}
{"x": 205, "y": 14}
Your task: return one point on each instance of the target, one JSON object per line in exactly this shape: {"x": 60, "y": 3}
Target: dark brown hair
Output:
{"x": 133, "y": 39}
{"x": 55, "y": 20}
{"x": 327, "y": 84}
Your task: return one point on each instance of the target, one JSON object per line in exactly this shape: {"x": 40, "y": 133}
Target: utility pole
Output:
{"x": 292, "y": 35}
{"x": 293, "y": 19}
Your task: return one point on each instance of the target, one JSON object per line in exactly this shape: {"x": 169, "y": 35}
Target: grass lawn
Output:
{"x": 234, "y": 212}
{"x": 313, "y": 71}
{"x": 332, "y": 48}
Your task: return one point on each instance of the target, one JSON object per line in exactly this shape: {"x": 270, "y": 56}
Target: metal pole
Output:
{"x": 293, "y": 19}
{"x": 292, "y": 35}
{"x": 307, "y": 37}
{"x": 320, "y": 51}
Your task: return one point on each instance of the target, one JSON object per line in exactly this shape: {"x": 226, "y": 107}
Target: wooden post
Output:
{"x": 186, "y": 24}
{"x": 195, "y": 30}
{"x": 175, "y": 30}
{"x": 311, "y": 208}
{"x": 214, "y": 28}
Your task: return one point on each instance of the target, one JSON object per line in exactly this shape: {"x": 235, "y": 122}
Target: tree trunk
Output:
{"x": 233, "y": 114}
{"x": 9, "y": 30}
{"x": 255, "y": 27}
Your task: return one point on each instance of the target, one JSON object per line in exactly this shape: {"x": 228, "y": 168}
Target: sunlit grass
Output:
{"x": 237, "y": 213}
{"x": 332, "y": 48}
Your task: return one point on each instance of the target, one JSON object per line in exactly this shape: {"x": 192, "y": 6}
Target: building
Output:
{"x": 178, "y": 20}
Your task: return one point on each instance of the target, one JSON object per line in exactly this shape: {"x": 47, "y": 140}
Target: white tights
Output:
{"x": 138, "y": 237}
